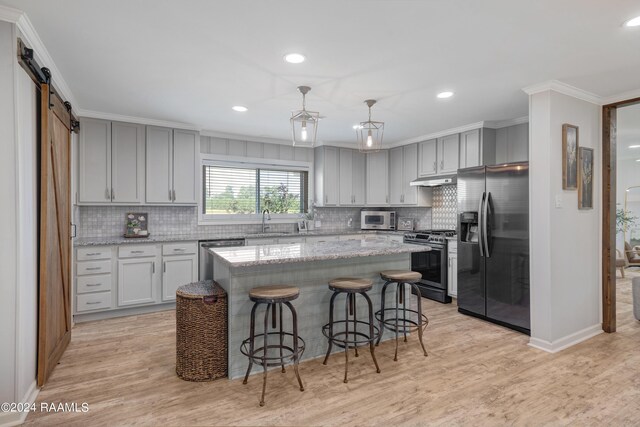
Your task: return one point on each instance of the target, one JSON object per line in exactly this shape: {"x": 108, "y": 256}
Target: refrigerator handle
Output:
{"x": 480, "y": 225}
{"x": 485, "y": 216}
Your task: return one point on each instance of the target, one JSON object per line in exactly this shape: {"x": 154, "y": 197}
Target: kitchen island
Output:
{"x": 309, "y": 266}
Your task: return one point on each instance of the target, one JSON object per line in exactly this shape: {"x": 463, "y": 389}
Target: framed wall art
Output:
{"x": 569, "y": 157}
{"x": 585, "y": 178}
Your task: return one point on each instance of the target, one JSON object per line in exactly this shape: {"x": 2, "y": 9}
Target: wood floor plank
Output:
{"x": 476, "y": 373}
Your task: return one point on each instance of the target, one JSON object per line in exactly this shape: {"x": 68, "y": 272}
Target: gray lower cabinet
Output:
{"x": 113, "y": 280}
{"x": 377, "y": 179}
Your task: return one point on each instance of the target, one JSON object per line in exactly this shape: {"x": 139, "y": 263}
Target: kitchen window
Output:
{"x": 242, "y": 192}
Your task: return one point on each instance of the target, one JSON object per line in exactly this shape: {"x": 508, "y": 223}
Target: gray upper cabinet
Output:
{"x": 403, "y": 168}
{"x": 127, "y": 162}
{"x": 110, "y": 162}
{"x": 171, "y": 166}
{"x": 377, "y": 178}
{"x": 470, "y": 149}
{"x": 159, "y": 177}
{"x": 186, "y": 146}
{"x": 352, "y": 177}
{"x": 326, "y": 172}
{"x": 512, "y": 143}
{"x": 448, "y": 154}
{"x": 428, "y": 160}
{"x": 94, "y": 162}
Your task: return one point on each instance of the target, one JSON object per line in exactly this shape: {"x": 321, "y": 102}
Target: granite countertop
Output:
{"x": 120, "y": 240}
{"x": 247, "y": 256}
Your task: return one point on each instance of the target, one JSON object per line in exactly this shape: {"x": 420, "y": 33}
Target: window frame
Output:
{"x": 250, "y": 163}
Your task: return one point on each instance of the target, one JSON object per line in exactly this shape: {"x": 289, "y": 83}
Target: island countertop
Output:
{"x": 246, "y": 256}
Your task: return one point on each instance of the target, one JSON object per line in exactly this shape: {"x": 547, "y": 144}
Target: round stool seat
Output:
{"x": 350, "y": 284}
{"x": 274, "y": 293}
{"x": 405, "y": 276}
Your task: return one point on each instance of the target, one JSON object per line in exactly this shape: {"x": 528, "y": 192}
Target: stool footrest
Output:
{"x": 352, "y": 343}
{"x": 404, "y": 324}
{"x": 259, "y": 353}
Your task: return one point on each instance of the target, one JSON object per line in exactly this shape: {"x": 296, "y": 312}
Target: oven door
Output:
{"x": 432, "y": 265}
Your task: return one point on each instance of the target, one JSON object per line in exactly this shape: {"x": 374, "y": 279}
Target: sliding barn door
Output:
{"x": 54, "y": 323}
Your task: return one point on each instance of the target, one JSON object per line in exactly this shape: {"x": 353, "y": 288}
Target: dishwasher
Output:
{"x": 205, "y": 259}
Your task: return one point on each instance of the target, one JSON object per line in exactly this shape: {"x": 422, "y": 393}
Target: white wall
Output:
{"x": 565, "y": 241}
{"x": 8, "y": 229}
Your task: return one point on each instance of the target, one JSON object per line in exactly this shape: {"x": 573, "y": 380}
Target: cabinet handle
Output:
{"x": 164, "y": 267}
{"x": 169, "y": 194}
{"x": 94, "y": 268}
{"x": 435, "y": 165}
{"x": 106, "y": 193}
{"x": 441, "y": 164}
{"x": 93, "y": 253}
{"x": 137, "y": 252}
{"x": 113, "y": 194}
{"x": 93, "y": 284}
{"x": 93, "y": 302}
{"x": 386, "y": 199}
{"x": 179, "y": 250}
{"x": 154, "y": 268}
{"x": 326, "y": 198}
{"x": 174, "y": 195}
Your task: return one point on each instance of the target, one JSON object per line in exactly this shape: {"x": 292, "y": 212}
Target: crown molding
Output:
{"x": 10, "y": 14}
{"x": 632, "y": 94}
{"x": 238, "y": 137}
{"x": 33, "y": 40}
{"x": 439, "y": 134}
{"x": 558, "y": 86}
{"x": 132, "y": 119}
{"x": 498, "y": 124}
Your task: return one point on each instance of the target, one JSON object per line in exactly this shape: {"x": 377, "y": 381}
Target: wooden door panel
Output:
{"x": 54, "y": 322}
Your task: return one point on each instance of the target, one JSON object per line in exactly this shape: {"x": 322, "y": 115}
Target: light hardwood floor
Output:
{"x": 477, "y": 373}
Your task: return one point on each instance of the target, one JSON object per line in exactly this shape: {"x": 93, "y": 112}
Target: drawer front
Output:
{"x": 96, "y": 301}
{"x": 86, "y": 284}
{"x": 187, "y": 248}
{"x": 93, "y": 267}
{"x": 136, "y": 251}
{"x": 91, "y": 253}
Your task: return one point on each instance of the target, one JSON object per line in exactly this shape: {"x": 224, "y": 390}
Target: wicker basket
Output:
{"x": 201, "y": 331}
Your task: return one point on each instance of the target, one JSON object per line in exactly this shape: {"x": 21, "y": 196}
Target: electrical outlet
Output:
{"x": 558, "y": 201}
{"x": 318, "y": 223}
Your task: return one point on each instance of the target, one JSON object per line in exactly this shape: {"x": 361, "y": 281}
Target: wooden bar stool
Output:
{"x": 351, "y": 287}
{"x": 273, "y": 296}
{"x": 396, "y": 322}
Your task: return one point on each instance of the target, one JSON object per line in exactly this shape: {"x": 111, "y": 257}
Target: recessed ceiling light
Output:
{"x": 443, "y": 95}
{"x": 239, "y": 108}
{"x": 638, "y": 160}
{"x": 635, "y": 22}
{"x": 634, "y": 146}
{"x": 294, "y": 58}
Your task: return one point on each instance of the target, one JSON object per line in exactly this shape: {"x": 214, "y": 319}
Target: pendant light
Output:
{"x": 304, "y": 124}
{"x": 370, "y": 133}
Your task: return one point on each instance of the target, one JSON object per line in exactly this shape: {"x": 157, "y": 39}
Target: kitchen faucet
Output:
{"x": 264, "y": 226}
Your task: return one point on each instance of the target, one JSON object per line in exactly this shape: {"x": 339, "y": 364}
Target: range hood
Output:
{"x": 434, "y": 181}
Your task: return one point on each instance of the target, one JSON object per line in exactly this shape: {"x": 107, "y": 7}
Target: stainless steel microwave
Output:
{"x": 378, "y": 220}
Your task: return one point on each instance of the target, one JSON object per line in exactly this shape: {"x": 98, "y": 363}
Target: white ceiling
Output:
{"x": 191, "y": 61}
{"x": 628, "y": 132}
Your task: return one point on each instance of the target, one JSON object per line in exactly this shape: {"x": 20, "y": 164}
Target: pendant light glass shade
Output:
{"x": 304, "y": 124}
{"x": 370, "y": 133}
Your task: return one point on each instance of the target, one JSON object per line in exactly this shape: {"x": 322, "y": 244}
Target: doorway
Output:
{"x": 621, "y": 170}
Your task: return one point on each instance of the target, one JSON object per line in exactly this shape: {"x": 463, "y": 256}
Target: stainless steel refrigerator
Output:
{"x": 493, "y": 244}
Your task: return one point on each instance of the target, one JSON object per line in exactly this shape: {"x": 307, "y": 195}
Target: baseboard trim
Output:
{"x": 567, "y": 341}
{"x": 16, "y": 418}
{"x": 122, "y": 312}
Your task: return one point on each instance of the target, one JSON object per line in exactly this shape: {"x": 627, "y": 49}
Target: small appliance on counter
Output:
{"x": 377, "y": 220}
{"x": 405, "y": 224}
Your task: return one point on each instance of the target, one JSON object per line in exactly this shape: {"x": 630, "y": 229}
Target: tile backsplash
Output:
{"x": 445, "y": 205}
{"x": 109, "y": 221}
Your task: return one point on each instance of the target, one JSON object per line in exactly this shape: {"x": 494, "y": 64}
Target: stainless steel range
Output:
{"x": 432, "y": 264}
